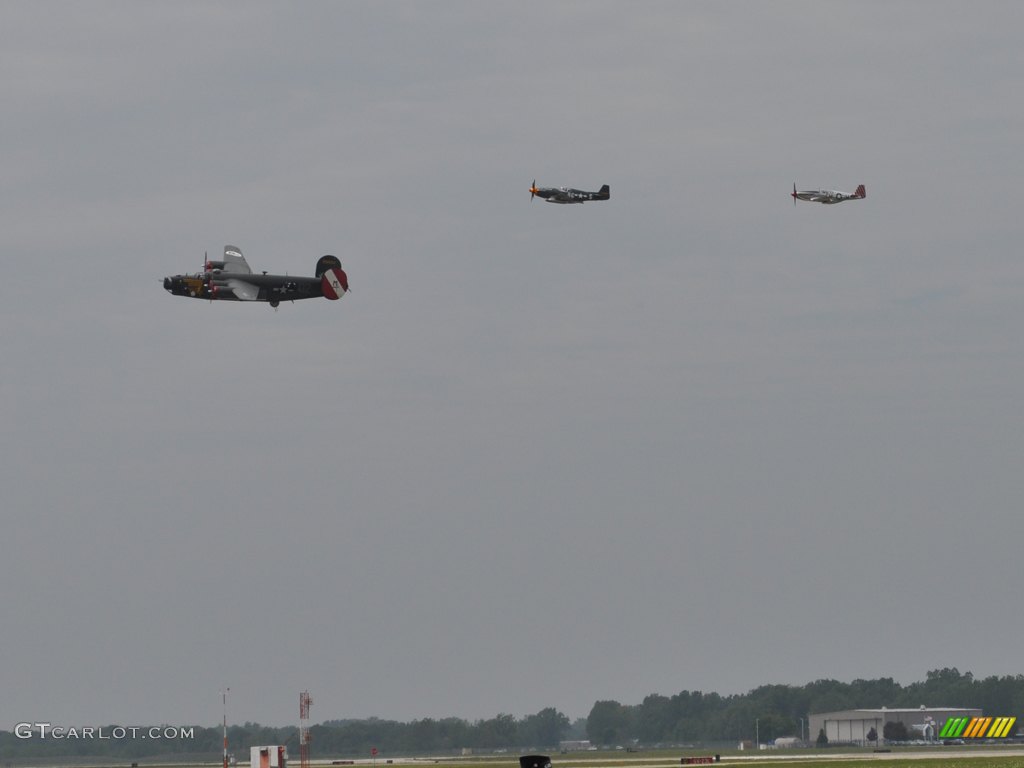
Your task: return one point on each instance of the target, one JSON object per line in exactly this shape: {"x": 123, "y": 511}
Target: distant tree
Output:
{"x": 822, "y": 740}
{"x": 945, "y": 685}
{"x": 869, "y": 693}
{"x": 545, "y": 729}
{"x": 773, "y": 725}
{"x": 828, "y": 696}
{"x": 655, "y": 719}
{"x": 500, "y": 731}
{"x": 1002, "y": 695}
{"x": 872, "y": 735}
{"x": 577, "y": 729}
{"x": 609, "y": 723}
{"x": 895, "y": 731}
{"x": 699, "y": 715}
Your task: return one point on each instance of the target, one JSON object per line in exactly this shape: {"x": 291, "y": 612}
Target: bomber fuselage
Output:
{"x": 210, "y": 286}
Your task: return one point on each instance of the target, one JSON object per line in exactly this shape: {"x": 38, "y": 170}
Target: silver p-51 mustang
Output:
{"x": 828, "y": 197}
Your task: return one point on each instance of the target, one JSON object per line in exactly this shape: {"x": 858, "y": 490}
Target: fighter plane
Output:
{"x": 828, "y": 197}
{"x": 233, "y": 280}
{"x": 565, "y": 195}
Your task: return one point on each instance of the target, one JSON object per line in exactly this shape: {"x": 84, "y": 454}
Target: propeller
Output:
{"x": 533, "y": 190}
{"x": 794, "y": 193}
{"x": 207, "y": 268}
{"x": 211, "y": 289}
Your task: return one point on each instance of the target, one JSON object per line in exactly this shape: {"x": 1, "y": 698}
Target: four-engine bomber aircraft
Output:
{"x": 566, "y": 195}
{"x": 828, "y": 197}
{"x": 232, "y": 280}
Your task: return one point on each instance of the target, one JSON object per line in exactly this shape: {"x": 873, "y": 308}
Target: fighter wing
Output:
{"x": 235, "y": 262}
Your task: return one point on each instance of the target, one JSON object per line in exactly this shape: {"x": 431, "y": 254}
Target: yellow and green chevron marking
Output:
{"x": 977, "y": 727}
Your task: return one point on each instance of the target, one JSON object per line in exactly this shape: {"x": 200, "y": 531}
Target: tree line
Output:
{"x": 777, "y": 710}
{"x": 688, "y": 717}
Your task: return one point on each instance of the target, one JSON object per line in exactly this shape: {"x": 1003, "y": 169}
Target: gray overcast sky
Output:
{"x": 691, "y": 438}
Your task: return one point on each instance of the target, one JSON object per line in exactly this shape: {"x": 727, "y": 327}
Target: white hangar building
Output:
{"x": 853, "y": 725}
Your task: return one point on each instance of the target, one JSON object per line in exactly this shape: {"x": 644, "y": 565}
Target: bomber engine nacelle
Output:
{"x": 217, "y": 287}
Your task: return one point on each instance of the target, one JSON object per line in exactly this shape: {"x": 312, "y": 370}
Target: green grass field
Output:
{"x": 953, "y": 757}
{"x": 974, "y": 757}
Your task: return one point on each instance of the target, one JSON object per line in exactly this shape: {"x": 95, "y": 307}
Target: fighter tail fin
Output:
{"x": 604, "y": 193}
{"x": 861, "y": 192}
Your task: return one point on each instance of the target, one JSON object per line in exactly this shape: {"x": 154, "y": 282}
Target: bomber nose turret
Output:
{"x": 177, "y": 285}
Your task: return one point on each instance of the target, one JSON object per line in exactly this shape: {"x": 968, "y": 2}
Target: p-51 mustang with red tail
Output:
{"x": 233, "y": 280}
{"x": 566, "y": 195}
{"x": 828, "y": 197}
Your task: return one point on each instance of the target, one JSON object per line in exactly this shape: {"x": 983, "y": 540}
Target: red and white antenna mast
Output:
{"x": 224, "y": 697}
{"x": 304, "y": 701}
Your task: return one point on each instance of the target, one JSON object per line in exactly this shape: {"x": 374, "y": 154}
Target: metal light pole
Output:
{"x": 757, "y": 734}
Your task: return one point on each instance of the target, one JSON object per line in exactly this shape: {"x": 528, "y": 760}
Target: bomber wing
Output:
{"x": 233, "y": 267}
{"x": 243, "y": 290}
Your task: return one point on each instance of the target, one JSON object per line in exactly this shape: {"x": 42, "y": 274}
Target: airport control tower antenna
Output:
{"x": 304, "y": 701}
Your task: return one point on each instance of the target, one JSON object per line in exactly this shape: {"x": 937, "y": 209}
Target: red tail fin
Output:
{"x": 861, "y": 192}
{"x": 334, "y": 283}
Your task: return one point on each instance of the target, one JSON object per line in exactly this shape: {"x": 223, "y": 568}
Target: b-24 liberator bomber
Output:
{"x": 566, "y": 195}
{"x": 233, "y": 280}
{"x": 828, "y": 197}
